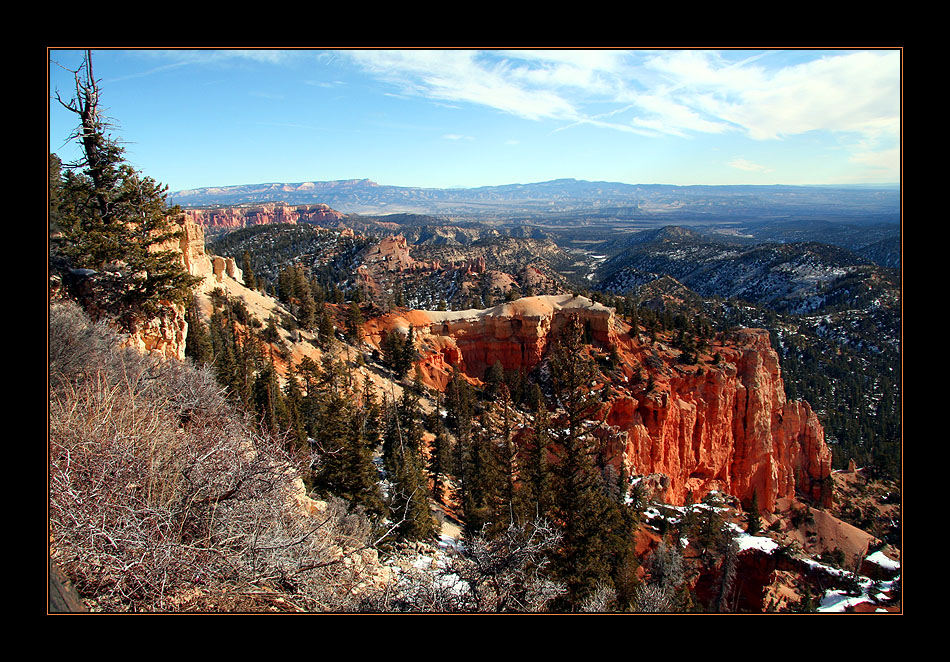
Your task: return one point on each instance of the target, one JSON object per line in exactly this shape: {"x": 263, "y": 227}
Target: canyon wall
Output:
{"x": 516, "y": 334}
{"x": 726, "y": 427}
{"x": 260, "y": 214}
{"x": 719, "y": 425}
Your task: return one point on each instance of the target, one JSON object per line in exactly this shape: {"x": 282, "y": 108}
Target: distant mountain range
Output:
{"x": 560, "y": 196}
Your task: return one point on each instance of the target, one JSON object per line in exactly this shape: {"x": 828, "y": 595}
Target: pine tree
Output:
{"x": 325, "y": 330}
{"x": 354, "y": 323}
{"x": 249, "y": 279}
{"x": 198, "y": 345}
{"x": 55, "y": 194}
{"x": 440, "y": 459}
{"x": 344, "y": 438}
{"x": 537, "y": 472}
{"x": 294, "y": 422}
{"x": 505, "y": 501}
{"x": 409, "y": 354}
{"x": 597, "y": 530}
{"x": 753, "y": 521}
{"x": 409, "y": 495}
{"x": 393, "y": 349}
{"x": 268, "y": 399}
{"x": 112, "y": 217}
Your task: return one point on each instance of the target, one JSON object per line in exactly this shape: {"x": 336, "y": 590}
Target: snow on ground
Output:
{"x": 747, "y": 541}
{"x": 878, "y": 558}
{"x": 835, "y": 601}
{"x": 838, "y": 601}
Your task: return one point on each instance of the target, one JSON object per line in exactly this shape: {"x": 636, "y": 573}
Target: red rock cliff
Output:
{"x": 245, "y": 215}
{"x": 515, "y": 333}
{"x": 726, "y": 427}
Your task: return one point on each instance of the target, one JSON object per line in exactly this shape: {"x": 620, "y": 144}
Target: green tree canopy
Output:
{"x": 114, "y": 218}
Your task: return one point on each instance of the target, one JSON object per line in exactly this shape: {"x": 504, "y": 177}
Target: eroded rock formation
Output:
{"x": 722, "y": 424}
{"x": 166, "y": 334}
{"x": 517, "y": 334}
{"x": 726, "y": 427}
{"x": 260, "y": 214}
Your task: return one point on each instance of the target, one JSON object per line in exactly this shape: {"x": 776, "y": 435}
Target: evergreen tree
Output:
{"x": 480, "y": 483}
{"x": 270, "y": 333}
{"x": 306, "y": 307}
{"x": 55, "y": 194}
{"x": 354, "y": 323}
{"x": 287, "y": 285}
{"x": 249, "y": 278}
{"x": 537, "y": 472}
{"x": 393, "y": 349}
{"x": 597, "y": 530}
{"x": 753, "y": 521}
{"x": 409, "y": 496}
{"x": 505, "y": 502}
{"x": 325, "y": 330}
{"x": 268, "y": 399}
{"x": 494, "y": 378}
{"x": 113, "y": 217}
{"x": 198, "y": 346}
{"x": 409, "y": 354}
{"x": 344, "y": 439}
{"x": 440, "y": 460}
{"x": 294, "y": 422}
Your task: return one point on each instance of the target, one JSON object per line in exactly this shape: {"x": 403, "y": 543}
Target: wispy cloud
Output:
{"x": 175, "y": 59}
{"x": 466, "y": 76}
{"x": 762, "y": 95}
{"x": 748, "y": 166}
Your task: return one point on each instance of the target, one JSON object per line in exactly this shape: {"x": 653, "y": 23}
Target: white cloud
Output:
{"x": 858, "y": 92}
{"x": 464, "y": 76}
{"x": 748, "y": 166}
{"x": 761, "y": 95}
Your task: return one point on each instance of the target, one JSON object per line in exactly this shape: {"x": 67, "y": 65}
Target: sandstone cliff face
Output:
{"x": 517, "y": 334}
{"x": 729, "y": 428}
{"x": 165, "y": 335}
{"x": 243, "y": 216}
{"x": 723, "y": 426}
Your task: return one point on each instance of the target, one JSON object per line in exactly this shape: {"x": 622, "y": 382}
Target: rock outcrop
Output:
{"x": 260, "y": 214}
{"x": 721, "y": 424}
{"x": 166, "y": 334}
{"x": 516, "y": 334}
{"x": 727, "y": 427}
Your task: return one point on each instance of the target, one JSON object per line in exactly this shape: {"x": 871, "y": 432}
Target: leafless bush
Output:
{"x": 667, "y": 574}
{"x": 653, "y": 599}
{"x": 602, "y": 599}
{"x": 504, "y": 573}
{"x": 75, "y": 343}
{"x": 162, "y": 497}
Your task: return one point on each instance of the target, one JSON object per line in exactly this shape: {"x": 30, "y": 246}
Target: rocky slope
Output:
{"x": 803, "y": 278}
{"x": 165, "y": 335}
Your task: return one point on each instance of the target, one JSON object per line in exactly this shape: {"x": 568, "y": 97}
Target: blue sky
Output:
{"x": 435, "y": 118}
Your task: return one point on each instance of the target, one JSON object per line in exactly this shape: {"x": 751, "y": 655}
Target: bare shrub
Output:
{"x": 503, "y": 573}
{"x": 164, "y": 498}
{"x": 667, "y": 574}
